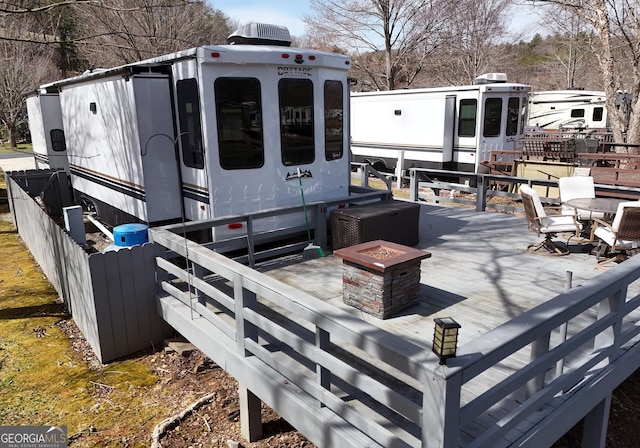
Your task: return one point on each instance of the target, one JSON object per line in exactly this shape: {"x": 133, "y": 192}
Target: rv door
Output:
{"x": 157, "y": 143}
{"x": 448, "y": 138}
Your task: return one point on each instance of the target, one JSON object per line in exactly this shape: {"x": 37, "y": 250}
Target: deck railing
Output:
{"x": 369, "y": 379}
{"x": 314, "y": 363}
{"x": 488, "y": 186}
{"x": 599, "y": 351}
{"x": 394, "y": 392}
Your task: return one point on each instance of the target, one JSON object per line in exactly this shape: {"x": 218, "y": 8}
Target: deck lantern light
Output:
{"x": 445, "y": 338}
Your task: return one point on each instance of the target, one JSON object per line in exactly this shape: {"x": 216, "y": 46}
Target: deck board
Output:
{"x": 480, "y": 273}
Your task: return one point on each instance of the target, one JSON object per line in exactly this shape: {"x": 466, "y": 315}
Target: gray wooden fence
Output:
{"x": 109, "y": 295}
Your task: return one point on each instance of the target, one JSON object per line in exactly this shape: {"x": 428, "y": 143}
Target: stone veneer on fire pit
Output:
{"x": 380, "y": 277}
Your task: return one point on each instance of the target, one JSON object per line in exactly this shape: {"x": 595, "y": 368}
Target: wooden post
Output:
{"x": 440, "y": 408}
{"x": 250, "y": 414}
{"x": 323, "y": 374}
{"x": 538, "y": 348}
{"x": 320, "y": 226}
{"x": 609, "y": 336}
{"x": 198, "y": 272}
{"x": 594, "y": 432}
{"x": 568, "y": 284}
{"x": 482, "y": 184}
{"x": 243, "y": 299}
{"x": 364, "y": 175}
{"x": 399, "y": 169}
{"x": 250, "y": 405}
{"x": 413, "y": 186}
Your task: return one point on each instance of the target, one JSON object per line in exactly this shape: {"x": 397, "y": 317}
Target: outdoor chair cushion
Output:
{"x": 609, "y": 233}
{"x": 577, "y": 187}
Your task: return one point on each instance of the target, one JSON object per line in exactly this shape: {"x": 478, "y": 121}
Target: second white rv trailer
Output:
{"x": 240, "y": 119}
{"x": 46, "y": 128}
{"x": 451, "y": 128}
{"x": 555, "y": 109}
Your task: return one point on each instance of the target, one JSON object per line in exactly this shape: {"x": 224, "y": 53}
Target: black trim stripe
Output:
{"x": 111, "y": 183}
{"x": 42, "y": 161}
{"x": 41, "y": 157}
{"x": 193, "y": 192}
{"x": 196, "y": 193}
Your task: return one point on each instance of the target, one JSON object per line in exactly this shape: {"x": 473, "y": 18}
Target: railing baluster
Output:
{"x": 413, "y": 186}
{"x": 323, "y": 374}
{"x": 481, "y": 193}
{"x": 538, "y": 348}
{"x": 568, "y": 284}
{"x": 244, "y": 299}
{"x": 609, "y": 337}
{"x": 250, "y": 242}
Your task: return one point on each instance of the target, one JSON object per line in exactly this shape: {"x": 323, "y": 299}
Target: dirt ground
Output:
{"x": 214, "y": 424}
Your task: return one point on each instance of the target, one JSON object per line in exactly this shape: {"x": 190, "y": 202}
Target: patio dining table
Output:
{"x": 608, "y": 206}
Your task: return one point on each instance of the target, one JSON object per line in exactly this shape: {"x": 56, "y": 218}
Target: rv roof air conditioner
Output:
{"x": 490, "y": 78}
{"x": 260, "y": 34}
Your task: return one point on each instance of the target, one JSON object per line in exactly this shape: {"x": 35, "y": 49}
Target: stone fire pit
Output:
{"x": 380, "y": 277}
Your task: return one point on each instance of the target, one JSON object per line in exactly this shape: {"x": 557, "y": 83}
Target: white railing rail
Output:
{"x": 600, "y": 331}
{"x": 320, "y": 348}
{"x": 347, "y": 365}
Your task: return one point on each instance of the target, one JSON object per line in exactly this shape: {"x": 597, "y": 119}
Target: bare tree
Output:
{"x": 617, "y": 24}
{"x": 133, "y": 30}
{"x": 389, "y": 39}
{"x": 472, "y": 46}
{"x": 23, "y": 65}
{"x": 79, "y": 34}
{"x": 111, "y": 32}
{"x": 574, "y": 47}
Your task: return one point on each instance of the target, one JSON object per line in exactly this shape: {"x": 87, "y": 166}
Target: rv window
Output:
{"x": 492, "y": 117}
{"x": 296, "y": 121}
{"x": 598, "y": 113}
{"x": 467, "y": 119}
{"x": 239, "y": 113}
{"x": 577, "y": 113}
{"x": 333, "y": 120}
{"x": 189, "y": 117}
{"x": 513, "y": 114}
{"x": 57, "y": 140}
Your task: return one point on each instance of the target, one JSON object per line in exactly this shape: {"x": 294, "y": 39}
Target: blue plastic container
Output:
{"x": 130, "y": 234}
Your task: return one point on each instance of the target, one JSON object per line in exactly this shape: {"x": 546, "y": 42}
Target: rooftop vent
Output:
{"x": 490, "y": 78}
{"x": 260, "y": 34}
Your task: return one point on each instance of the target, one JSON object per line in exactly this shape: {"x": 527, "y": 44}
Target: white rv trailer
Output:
{"x": 556, "y": 109}
{"x": 241, "y": 119}
{"x": 451, "y": 128}
{"x": 46, "y": 128}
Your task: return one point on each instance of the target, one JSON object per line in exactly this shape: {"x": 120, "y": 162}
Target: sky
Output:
{"x": 288, "y": 13}
{"x": 291, "y": 12}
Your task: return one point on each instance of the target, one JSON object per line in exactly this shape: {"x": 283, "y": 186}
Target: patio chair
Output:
{"x": 577, "y": 187}
{"x": 619, "y": 237}
{"x": 550, "y": 225}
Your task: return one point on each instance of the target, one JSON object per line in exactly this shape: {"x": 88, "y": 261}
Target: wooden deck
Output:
{"x": 348, "y": 380}
{"x": 479, "y": 273}
{"x": 504, "y": 389}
